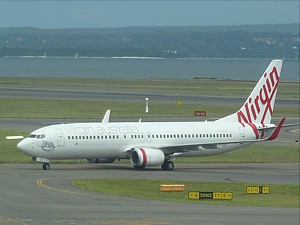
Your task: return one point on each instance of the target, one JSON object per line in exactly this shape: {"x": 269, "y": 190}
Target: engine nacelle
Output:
{"x": 100, "y": 160}
{"x": 142, "y": 157}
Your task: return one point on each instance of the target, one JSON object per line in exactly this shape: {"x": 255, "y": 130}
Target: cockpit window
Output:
{"x": 37, "y": 136}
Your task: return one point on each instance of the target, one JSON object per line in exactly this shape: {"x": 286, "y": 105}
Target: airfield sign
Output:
{"x": 200, "y": 195}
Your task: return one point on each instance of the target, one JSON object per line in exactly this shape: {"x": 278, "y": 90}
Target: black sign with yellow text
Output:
{"x": 210, "y": 195}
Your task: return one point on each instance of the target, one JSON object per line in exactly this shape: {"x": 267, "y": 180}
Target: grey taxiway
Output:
{"x": 30, "y": 195}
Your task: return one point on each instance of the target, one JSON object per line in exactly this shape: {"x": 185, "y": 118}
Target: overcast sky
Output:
{"x": 105, "y": 14}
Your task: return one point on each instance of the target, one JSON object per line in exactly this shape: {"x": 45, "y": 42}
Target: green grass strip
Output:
{"x": 281, "y": 195}
{"x": 287, "y": 90}
{"x": 45, "y": 108}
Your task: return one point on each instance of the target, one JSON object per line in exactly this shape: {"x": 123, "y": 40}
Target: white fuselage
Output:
{"x": 115, "y": 140}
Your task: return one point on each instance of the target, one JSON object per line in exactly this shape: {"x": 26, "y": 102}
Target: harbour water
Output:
{"x": 142, "y": 68}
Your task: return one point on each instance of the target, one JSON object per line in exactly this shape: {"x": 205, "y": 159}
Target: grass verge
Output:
{"x": 60, "y": 109}
{"x": 167, "y": 86}
{"x": 281, "y": 195}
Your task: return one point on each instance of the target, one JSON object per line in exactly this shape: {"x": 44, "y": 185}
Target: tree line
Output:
{"x": 169, "y": 42}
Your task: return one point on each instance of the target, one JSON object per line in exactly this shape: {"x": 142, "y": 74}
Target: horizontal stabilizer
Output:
{"x": 291, "y": 125}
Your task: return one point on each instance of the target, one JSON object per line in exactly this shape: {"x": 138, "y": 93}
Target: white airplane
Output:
{"x": 156, "y": 143}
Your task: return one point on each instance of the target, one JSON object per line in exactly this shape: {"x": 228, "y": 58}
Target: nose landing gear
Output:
{"x": 46, "y": 164}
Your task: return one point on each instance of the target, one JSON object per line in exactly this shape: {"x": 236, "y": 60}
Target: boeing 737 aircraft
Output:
{"x": 157, "y": 143}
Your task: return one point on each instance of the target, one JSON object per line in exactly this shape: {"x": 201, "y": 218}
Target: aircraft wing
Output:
{"x": 171, "y": 149}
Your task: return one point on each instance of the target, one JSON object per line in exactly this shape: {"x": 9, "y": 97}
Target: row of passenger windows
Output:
{"x": 157, "y": 136}
{"x": 185, "y": 136}
{"x": 95, "y": 137}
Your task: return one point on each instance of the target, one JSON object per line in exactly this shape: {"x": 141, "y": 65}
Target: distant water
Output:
{"x": 127, "y": 67}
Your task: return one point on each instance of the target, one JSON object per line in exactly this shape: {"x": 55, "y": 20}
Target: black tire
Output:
{"x": 167, "y": 165}
{"x": 46, "y": 166}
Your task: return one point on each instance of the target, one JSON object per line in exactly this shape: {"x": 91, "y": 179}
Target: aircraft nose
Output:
{"x": 24, "y": 146}
{"x": 20, "y": 145}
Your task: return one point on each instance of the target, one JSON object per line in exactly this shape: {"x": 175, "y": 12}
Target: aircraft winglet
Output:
{"x": 275, "y": 133}
{"x": 106, "y": 116}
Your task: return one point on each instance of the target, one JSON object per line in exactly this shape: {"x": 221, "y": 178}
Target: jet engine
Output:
{"x": 142, "y": 157}
{"x": 100, "y": 160}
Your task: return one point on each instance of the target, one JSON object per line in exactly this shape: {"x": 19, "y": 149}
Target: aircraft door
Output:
{"x": 242, "y": 133}
{"x": 60, "y": 138}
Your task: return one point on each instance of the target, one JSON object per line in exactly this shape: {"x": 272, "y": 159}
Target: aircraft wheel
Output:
{"x": 167, "y": 165}
{"x": 46, "y": 166}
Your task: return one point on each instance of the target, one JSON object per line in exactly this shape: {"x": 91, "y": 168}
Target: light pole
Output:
{"x": 147, "y": 105}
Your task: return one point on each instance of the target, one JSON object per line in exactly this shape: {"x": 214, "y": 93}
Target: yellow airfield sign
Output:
{"x": 179, "y": 102}
{"x": 223, "y": 195}
{"x": 210, "y": 195}
{"x": 193, "y": 194}
{"x": 257, "y": 190}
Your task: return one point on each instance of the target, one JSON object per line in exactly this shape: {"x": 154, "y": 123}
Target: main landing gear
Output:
{"x": 46, "y": 166}
{"x": 167, "y": 165}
